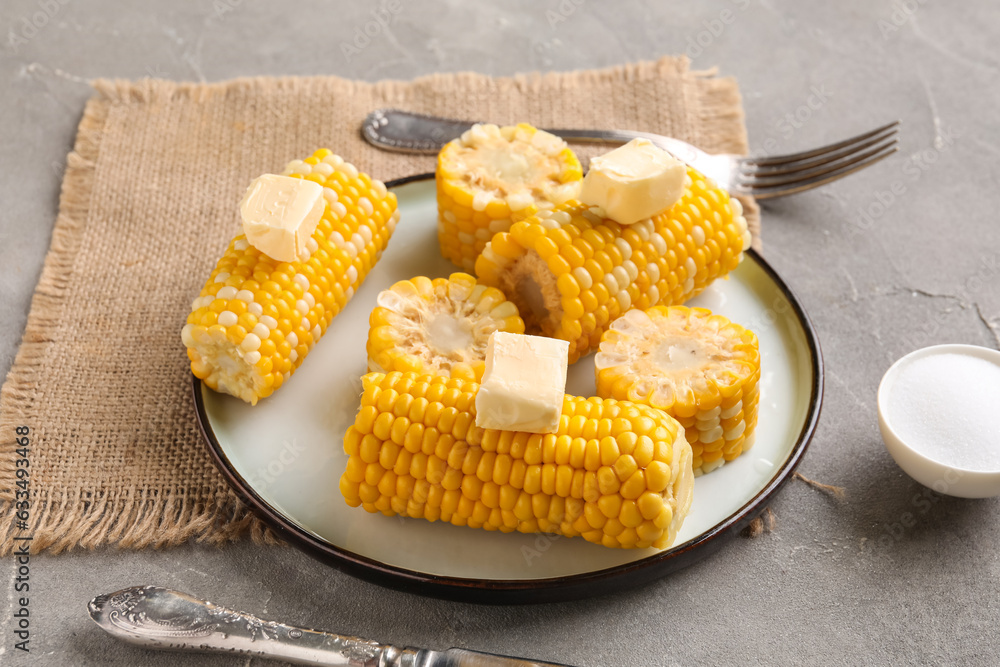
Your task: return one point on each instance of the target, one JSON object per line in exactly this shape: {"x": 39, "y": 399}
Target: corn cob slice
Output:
{"x": 491, "y": 176}
{"x": 699, "y": 368}
{"x": 256, "y": 318}
{"x": 571, "y": 272}
{"x": 616, "y": 473}
{"x": 439, "y": 327}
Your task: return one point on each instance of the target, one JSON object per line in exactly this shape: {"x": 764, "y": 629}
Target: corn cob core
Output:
{"x": 616, "y": 473}
{"x": 491, "y": 176}
{"x": 699, "y": 368}
{"x": 438, "y": 327}
{"x": 571, "y": 272}
{"x": 256, "y": 318}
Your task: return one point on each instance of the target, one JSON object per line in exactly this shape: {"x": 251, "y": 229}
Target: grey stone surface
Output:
{"x": 885, "y": 576}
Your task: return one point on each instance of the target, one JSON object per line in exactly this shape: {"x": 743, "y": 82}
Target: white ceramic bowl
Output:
{"x": 943, "y": 478}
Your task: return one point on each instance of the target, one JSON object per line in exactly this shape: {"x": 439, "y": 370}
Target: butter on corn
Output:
{"x": 615, "y": 473}
{"x": 490, "y": 177}
{"x": 256, "y": 318}
{"x": 280, "y": 214}
{"x": 524, "y": 383}
{"x": 633, "y": 182}
{"x": 439, "y": 326}
{"x": 700, "y": 368}
{"x": 571, "y": 272}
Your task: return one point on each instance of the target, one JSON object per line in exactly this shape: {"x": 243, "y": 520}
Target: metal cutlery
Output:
{"x": 763, "y": 177}
{"x": 159, "y": 618}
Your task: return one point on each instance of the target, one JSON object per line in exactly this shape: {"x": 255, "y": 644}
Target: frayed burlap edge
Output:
{"x": 129, "y": 517}
{"x": 766, "y": 521}
{"x": 125, "y": 91}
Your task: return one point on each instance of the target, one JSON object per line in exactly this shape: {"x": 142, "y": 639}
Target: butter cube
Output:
{"x": 280, "y": 213}
{"x": 633, "y": 182}
{"x": 524, "y": 383}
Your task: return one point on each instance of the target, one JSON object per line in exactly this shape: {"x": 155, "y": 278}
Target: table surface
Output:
{"x": 904, "y": 255}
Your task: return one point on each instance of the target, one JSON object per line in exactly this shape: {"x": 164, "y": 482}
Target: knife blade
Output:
{"x": 159, "y": 618}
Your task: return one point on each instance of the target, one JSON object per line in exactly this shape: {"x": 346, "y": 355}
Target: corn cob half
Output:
{"x": 439, "y": 327}
{"x": 571, "y": 272}
{"x": 256, "y": 318}
{"x": 491, "y": 176}
{"x": 616, "y": 473}
{"x": 700, "y": 368}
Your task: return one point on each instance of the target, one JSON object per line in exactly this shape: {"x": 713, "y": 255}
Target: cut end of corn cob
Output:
{"x": 571, "y": 272}
{"x": 256, "y": 318}
{"x": 615, "y": 473}
{"x": 700, "y": 368}
{"x": 440, "y": 326}
{"x": 491, "y": 176}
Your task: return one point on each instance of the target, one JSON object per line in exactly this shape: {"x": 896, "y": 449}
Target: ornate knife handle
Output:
{"x": 156, "y": 617}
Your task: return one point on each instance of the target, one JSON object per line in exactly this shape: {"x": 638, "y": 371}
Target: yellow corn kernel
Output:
{"x": 256, "y": 319}
{"x": 490, "y": 177}
{"x": 702, "y": 369}
{"x": 571, "y": 273}
{"x": 438, "y": 327}
{"x": 564, "y": 483}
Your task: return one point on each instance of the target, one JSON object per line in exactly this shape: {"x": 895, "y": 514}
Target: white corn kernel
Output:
{"x": 366, "y": 205}
{"x": 261, "y": 331}
{"x": 250, "y": 343}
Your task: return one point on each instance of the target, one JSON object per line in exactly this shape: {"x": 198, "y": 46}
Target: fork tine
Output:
{"x": 782, "y": 159}
{"x": 796, "y": 176}
{"x": 781, "y": 191}
{"x": 810, "y": 163}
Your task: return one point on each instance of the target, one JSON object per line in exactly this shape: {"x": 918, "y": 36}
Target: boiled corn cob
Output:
{"x": 256, "y": 318}
{"x": 571, "y": 272}
{"x": 616, "y": 473}
{"x": 439, "y": 327}
{"x": 491, "y": 176}
{"x": 699, "y": 368}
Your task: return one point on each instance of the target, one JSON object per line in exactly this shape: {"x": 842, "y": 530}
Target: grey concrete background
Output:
{"x": 889, "y": 575}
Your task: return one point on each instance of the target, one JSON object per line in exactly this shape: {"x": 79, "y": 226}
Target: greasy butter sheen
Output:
{"x": 280, "y": 213}
{"x": 524, "y": 383}
{"x": 633, "y": 182}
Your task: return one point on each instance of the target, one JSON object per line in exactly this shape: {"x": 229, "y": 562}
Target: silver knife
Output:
{"x": 154, "y": 617}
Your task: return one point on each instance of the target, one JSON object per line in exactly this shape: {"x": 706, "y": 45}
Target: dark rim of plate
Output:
{"x": 520, "y": 591}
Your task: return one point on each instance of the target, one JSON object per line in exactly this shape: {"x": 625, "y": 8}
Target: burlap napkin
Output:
{"x": 149, "y": 201}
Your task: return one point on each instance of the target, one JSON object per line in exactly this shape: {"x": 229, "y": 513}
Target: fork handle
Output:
{"x": 407, "y": 132}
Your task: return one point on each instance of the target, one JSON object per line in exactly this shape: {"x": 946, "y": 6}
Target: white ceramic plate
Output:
{"x": 285, "y": 456}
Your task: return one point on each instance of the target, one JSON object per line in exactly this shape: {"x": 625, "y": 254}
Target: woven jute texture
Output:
{"x": 149, "y": 201}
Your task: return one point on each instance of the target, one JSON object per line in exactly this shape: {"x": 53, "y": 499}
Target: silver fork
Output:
{"x": 764, "y": 177}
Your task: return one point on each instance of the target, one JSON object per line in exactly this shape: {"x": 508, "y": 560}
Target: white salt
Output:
{"x": 947, "y": 407}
